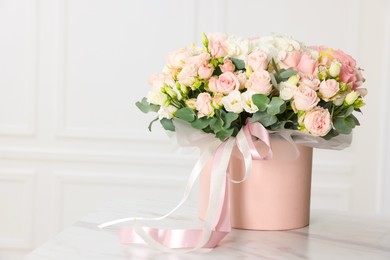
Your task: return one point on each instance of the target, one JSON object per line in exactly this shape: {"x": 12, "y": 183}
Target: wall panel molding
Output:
{"x": 66, "y": 130}
{"x": 88, "y": 156}
{"x": 24, "y": 212}
{"x": 28, "y": 127}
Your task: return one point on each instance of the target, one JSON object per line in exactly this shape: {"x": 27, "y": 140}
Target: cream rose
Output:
{"x": 257, "y": 60}
{"x": 203, "y": 105}
{"x": 287, "y": 90}
{"x": 176, "y": 59}
{"x": 217, "y": 45}
{"x": 329, "y": 88}
{"x": 305, "y": 98}
{"x": 157, "y": 81}
{"x": 241, "y": 76}
{"x": 260, "y": 82}
{"x": 205, "y": 71}
{"x": 187, "y": 75}
{"x": 227, "y": 66}
{"x": 318, "y": 122}
{"x": 227, "y": 82}
{"x": 310, "y": 82}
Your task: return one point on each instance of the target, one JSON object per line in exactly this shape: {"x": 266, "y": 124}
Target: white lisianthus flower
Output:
{"x": 247, "y": 102}
{"x": 232, "y": 102}
{"x": 238, "y": 47}
{"x": 157, "y": 98}
{"x": 166, "y": 112}
{"x": 351, "y": 97}
{"x": 287, "y": 90}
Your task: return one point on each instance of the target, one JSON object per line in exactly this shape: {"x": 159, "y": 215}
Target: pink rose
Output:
{"x": 305, "y": 98}
{"x": 227, "y": 82}
{"x": 260, "y": 82}
{"x": 359, "y": 78}
{"x": 217, "y": 100}
{"x": 191, "y": 103}
{"x": 217, "y": 44}
{"x": 204, "y": 106}
{"x": 257, "y": 60}
{"x": 157, "y": 81}
{"x": 318, "y": 122}
{"x": 310, "y": 81}
{"x": 344, "y": 58}
{"x": 198, "y": 60}
{"x": 227, "y": 66}
{"x": 241, "y": 76}
{"x": 351, "y": 76}
{"x": 205, "y": 71}
{"x": 329, "y": 88}
{"x": 176, "y": 59}
{"x": 307, "y": 64}
{"x": 213, "y": 85}
{"x": 187, "y": 75}
{"x": 292, "y": 60}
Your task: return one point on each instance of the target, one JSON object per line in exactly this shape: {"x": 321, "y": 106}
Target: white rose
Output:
{"x": 157, "y": 98}
{"x": 287, "y": 90}
{"x": 232, "y": 102}
{"x": 247, "y": 102}
{"x": 166, "y": 112}
{"x": 277, "y": 46}
{"x": 238, "y": 47}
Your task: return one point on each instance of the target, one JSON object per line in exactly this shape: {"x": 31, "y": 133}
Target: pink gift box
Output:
{"x": 276, "y": 195}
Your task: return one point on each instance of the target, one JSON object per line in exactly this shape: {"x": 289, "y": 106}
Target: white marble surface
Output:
{"x": 330, "y": 235}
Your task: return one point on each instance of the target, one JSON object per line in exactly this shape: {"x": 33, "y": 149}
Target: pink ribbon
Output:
{"x": 191, "y": 238}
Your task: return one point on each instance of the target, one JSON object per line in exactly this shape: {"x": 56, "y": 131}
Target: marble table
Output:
{"x": 330, "y": 235}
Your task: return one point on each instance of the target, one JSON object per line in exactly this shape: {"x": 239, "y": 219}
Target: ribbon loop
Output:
{"x": 217, "y": 220}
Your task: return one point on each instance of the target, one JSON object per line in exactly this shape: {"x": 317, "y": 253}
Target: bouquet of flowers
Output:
{"x": 274, "y": 80}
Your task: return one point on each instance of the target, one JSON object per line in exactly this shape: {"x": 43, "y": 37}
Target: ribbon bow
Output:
{"x": 216, "y": 224}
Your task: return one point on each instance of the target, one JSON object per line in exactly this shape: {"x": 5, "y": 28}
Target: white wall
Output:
{"x": 71, "y": 71}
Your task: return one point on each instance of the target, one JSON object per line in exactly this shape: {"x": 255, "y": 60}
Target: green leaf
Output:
{"x": 208, "y": 130}
{"x": 342, "y": 126}
{"x": 287, "y": 73}
{"x": 167, "y": 124}
{"x": 216, "y": 124}
{"x": 146, "y": 107}
{"x": 332, "y": 133}
{"x": 229, "y": 118}
{"x": 240, "y": 64}
{"x": 261, "y": 101}
{"x": 201, "y": 123}
{"x": 225, "y": 133}
{"x": 273, "y": 80}
{"x": 186, "y": 114}
{"x": 264, "y": 118}
{"x": 352, "y": 121}
{"x": 282, "y": 125}
{"x": 151, "y": 123}
{"x": 349, "y": 111}
{"x": 277, "y": 72}
{"x": 275, "y": 106}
